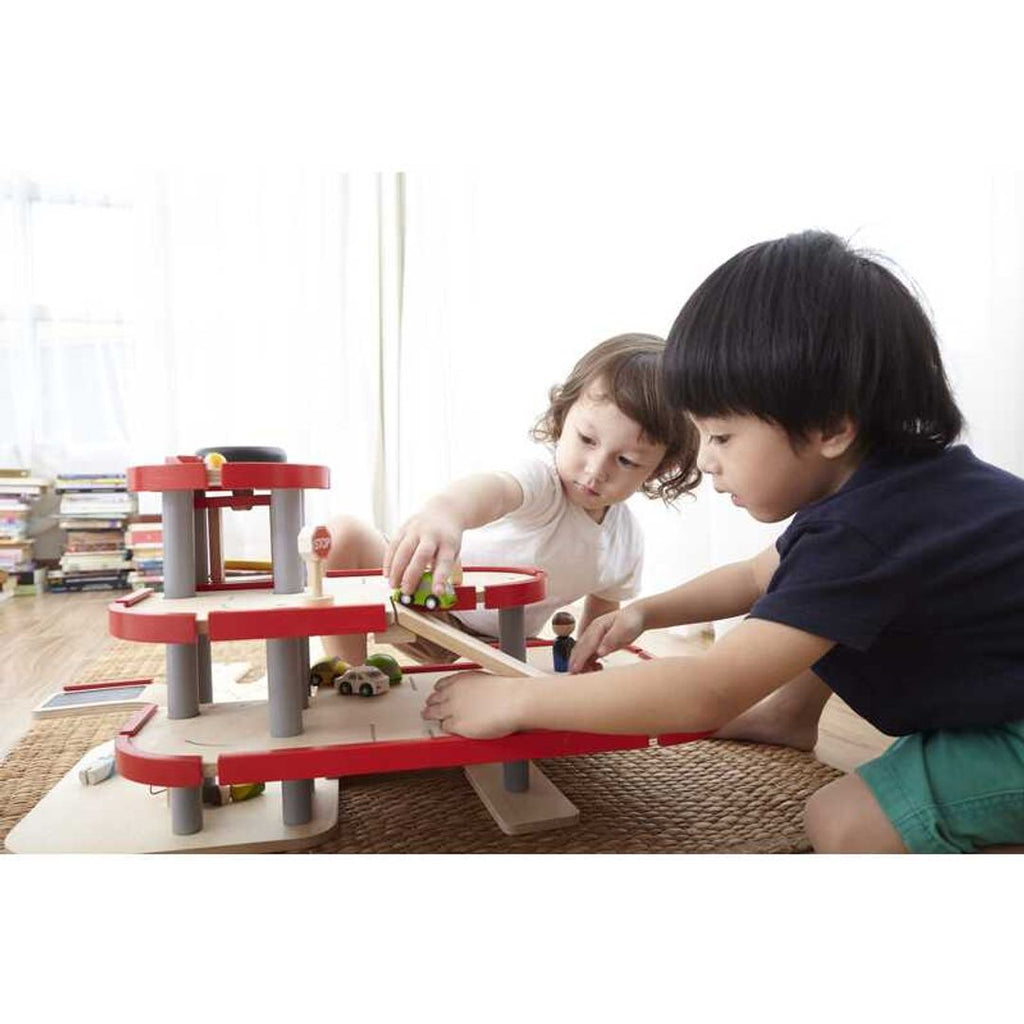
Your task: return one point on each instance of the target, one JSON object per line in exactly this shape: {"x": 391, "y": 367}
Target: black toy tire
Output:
{"x": 246, "y": 453}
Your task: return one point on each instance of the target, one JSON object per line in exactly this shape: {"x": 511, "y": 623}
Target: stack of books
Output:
{"x": 20, "y": 495}
{"x": 144, "y": 539}
{"x": 94, "y": 508}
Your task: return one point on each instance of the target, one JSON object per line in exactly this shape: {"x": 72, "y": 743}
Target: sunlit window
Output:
{"x": 65, "y": 287}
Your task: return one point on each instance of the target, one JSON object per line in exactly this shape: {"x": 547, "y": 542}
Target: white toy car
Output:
{"x": 365, "y": 680}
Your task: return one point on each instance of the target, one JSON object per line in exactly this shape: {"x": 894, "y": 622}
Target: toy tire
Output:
{"x": 246, "y": 453}
{"x": 366, "y": 690}
{"x": 431, "y": 602}
{"x": 405, "y": 599}
{"x": 345, "y": 688}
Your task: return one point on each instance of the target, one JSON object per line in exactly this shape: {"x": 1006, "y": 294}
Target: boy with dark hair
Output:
{"x": 815, "y": 381}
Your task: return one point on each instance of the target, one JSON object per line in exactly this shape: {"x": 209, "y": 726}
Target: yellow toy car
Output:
{"x": 325, "y": 671}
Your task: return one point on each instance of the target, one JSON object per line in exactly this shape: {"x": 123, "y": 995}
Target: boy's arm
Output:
{"x": 594, "y": 607}
{"x": 433, "y": 536}
{"x": 720, "y": 594}
{"x": 693, "y": 694}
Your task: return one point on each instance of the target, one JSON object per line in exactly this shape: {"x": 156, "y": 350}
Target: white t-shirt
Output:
{"x": 580, "y": 556}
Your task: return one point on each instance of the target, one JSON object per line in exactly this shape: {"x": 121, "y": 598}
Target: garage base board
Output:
{"x": 542, "y": 806}
{"x": 118, "y": 816}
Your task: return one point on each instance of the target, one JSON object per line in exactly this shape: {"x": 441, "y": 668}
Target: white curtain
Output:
{"x": 260, "y": 319}
{"x": 199, "y": 309}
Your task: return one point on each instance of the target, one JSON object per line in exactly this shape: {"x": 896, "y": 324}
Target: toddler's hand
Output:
{"x": 605, "y": 634}
{"x": 428, "y": 540}
{"x": 475, "y": 704}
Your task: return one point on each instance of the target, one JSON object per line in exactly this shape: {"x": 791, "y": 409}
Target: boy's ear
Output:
{"x": 837, "y": 439}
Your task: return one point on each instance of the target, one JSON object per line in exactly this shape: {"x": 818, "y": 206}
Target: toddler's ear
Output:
{"x": 837, "y": 439}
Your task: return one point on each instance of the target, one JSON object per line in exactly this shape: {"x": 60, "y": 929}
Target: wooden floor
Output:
{"x": 46, "y": 640}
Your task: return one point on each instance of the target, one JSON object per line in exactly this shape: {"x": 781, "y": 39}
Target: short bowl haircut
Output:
{"x": 802, "y": 331}
{"x": 627, "y": 368}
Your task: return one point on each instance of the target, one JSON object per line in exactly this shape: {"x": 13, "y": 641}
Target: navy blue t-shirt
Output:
{"x": 915, "y": 568}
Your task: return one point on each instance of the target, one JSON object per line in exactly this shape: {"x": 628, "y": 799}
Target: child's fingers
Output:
{"x": 435, "y": 711}
{"x": 400, "y": 555}
{"x": 583, "y": 651}
{"x": 443, "y": 566}
{"x": 422, "y": 558}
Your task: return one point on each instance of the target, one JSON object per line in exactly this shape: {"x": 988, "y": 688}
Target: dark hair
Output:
{"x": 628, "y": 369}
{"x": 802, "y": 331}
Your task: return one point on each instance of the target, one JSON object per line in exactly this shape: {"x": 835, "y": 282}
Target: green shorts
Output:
{"x": 953, "y": 790}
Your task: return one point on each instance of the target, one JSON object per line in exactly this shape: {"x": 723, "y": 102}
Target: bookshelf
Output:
{"x": 94, "y": 509}
{"x": 23, "y": 517}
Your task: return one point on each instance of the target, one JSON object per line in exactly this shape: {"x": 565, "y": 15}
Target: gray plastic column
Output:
{"x": 202, "y": 546}
{"x": 284, "y": 696}
{"x": 205, "y": 669}
{"x": 186, "y": 810}
{"x": 182, "y": 671}
{"x": 303, "y": 646}
{"x": 179, "y": 544}
{"x": 285, "y": 524}
{"x": 297, "y": 801}
{"x": 512, "y": 640}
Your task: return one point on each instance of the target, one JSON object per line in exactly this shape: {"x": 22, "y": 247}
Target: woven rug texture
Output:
{"x": 704, "y": 797}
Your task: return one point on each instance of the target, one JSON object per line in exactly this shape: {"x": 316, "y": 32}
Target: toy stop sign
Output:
{"x": 321, "y": 542}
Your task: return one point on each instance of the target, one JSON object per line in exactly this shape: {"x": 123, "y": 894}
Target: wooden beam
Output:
{"x": 468, "y": 646}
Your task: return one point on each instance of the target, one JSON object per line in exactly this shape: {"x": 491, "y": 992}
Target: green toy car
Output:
{"x": 424, "y": 597}
{"x": 388, "y": 666}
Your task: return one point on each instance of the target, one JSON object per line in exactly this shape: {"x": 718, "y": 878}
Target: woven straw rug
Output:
{"x": 704, "y": 797}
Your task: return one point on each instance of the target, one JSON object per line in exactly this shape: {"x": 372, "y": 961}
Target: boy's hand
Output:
{"x": 606, "y": 634}
{"x": 428, "y": 540}
{"x": 475, "y": 704}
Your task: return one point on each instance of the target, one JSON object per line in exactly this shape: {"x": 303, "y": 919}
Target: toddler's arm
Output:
{"x": 433, "y": 536}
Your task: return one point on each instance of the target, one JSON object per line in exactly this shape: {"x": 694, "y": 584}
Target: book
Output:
{"x": 58, "y": 582}
{"x": 91, "y": 481}
{"x": 93, "y": 561}
{"x": 97, "y": 503}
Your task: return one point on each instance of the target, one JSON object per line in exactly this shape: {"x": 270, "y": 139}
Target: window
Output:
{"x": 65, "y": 287}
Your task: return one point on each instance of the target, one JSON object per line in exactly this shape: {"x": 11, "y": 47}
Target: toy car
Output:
{"x": 365, "y": 680}
{"x": 424, "y": 597}
{"x": 325, "y": 671}
{"x": 387, "y": 665}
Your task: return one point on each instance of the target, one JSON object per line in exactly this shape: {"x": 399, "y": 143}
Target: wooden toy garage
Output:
{"x": 301, "y": 744}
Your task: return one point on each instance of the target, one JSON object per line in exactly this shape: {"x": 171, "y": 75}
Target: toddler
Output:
{"x": 613, "y": 435}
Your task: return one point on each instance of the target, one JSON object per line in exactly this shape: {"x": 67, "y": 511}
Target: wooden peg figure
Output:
{"x": 563, "y": 623}
{"x": 314, "y": 547}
